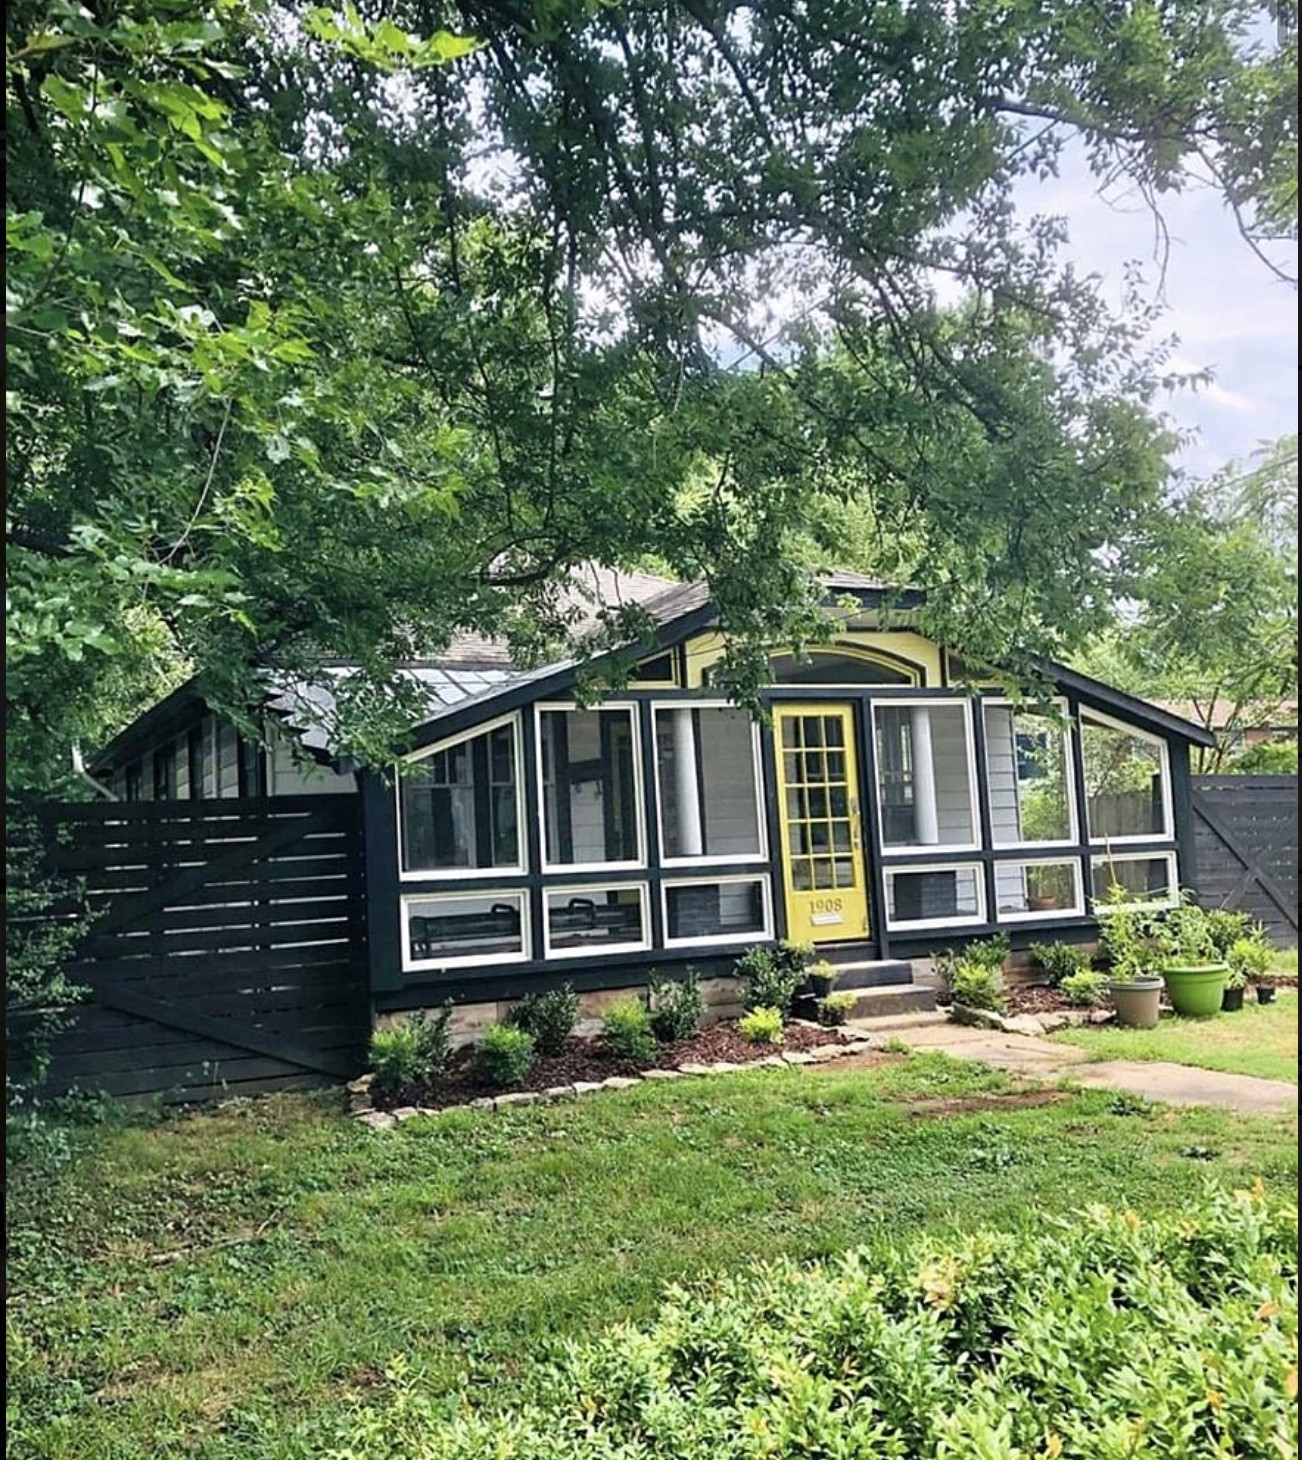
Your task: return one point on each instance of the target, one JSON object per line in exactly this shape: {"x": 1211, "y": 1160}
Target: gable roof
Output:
{"x": 475, "y": 677}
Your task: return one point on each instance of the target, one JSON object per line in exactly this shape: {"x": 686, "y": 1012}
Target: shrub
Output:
{"x": 771, "y": 981}
{"x": 504, "y": 1055}
{"x": 987, "y": 952}
{"x": 395, "y": 1055}
{"x": 834, "y": 1009}
{"x": 1226, "y": 928}
{"x": 549, "y": 1017}
{"x": 1250, "y": 957}
{"x": 794, "y": 957}
{"x": 1060, "y": 960}
{"x": 626, "y": 1031}
{"x": 1083, "y": 988}
{"x": 866, "y": 1353}
{"x": 978, "y": 986}
{"x": 762, "y": 1026}
{"x": 676, "y": 1006}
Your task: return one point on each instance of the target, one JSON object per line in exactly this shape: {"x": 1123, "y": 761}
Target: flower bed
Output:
{"x": 585, "y": 1061}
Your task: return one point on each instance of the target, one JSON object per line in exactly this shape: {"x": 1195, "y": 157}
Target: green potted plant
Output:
{"x": 1133, "y": 984}
{"x": 835, "y": 1009}
{"x": 1236, "y": 982}
{"x": 1194, "y": 971}
{"x": 822, "y": 979}
{"x": 1250, "y": 957}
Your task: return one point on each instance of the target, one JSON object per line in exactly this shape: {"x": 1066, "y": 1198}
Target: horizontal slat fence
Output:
{"x": 1246, "y": 849}
{"x": 227, "y": 951}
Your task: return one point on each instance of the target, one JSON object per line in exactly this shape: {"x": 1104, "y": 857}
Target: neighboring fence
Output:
{"x": 228, "y": 952}
{"x": 1246, "y": 848}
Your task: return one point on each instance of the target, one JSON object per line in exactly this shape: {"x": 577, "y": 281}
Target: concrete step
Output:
{"x": 895, "y": 1002}
{"x": 871, "y": 973}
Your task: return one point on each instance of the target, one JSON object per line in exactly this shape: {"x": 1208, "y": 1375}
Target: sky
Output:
{"x": 1230, "y": 313}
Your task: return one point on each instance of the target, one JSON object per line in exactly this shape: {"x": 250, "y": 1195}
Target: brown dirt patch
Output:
{"x": 976, "y": 1104}
{"x": 872, "y": 1060}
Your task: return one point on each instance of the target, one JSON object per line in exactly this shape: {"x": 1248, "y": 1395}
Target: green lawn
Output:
{"x": 220, "y": 1284}
{"x": 1259, "y": 1040}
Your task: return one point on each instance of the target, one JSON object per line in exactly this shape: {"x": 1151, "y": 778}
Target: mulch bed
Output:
{"x": 585, "y": 1059}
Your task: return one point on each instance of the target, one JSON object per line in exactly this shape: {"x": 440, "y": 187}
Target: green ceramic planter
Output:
{"x": 1195, "y": 988}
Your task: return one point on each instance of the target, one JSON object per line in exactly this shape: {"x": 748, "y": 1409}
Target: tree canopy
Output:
{"x": 331, "y": 333}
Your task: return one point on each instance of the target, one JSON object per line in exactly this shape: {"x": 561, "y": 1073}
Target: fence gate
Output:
{"x": 1246, "y": 849}
{"x": 227, "y": 954}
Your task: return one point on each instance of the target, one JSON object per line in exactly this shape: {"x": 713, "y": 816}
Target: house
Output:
{"x": 1239, "y": 727}
{"x": 885, "y": 808}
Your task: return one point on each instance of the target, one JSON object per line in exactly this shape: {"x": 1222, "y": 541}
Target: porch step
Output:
{"x": 871, "y": 973}
{"x": 906, "y": 1003}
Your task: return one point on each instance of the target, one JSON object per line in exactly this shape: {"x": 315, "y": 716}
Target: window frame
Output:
{"x": 757, "y": 767}
{"x": 629, "y": 708}
{"x": 643, "y": 890}
{"x": 461, "y": 874}
{"x": 1099, "y": 909}
{"x": 941, "y": 849}
{"x": 1167, "y": 833}
{"x": 1078, "y": 909}
{"x": 979, "y": 919}
{"x": 411, "y": 964}
{"x": 1069, "y": 746}
{"x": 718, "y": 940}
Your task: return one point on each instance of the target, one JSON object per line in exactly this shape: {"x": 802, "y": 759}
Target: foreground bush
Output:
{"x": 1096, "y": 1338}
{"x": 549, "y": 1018}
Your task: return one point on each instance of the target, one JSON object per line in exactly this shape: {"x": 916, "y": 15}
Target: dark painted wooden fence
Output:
{"x": 227, "y": 954}
{"x": 1246, "y": 848}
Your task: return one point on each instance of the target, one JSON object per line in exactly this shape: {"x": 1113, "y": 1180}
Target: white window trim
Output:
{"x": 757, "y": 766}
{"x": 461, "y": 874}
{"x": 1099, "y": 909}
{"x": 1048, "y": 915}
{"x": 598, "y": 950}
{"x": 976, "y": 919}
{"x": 942, "y": 849}
{"x": 1070, "y": 750}
{"x": 719, "y": 939}
{"x": 639, "y": 797}
{"x": 466, "y": 960}
{"x": 1167, "y": 833}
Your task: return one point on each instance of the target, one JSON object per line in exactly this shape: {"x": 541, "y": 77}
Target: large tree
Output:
{"x": 332, "y": 333}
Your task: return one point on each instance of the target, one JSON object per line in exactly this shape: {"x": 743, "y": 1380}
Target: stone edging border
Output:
{"x": 1029, "y": 1024}
{"x": 361, "y": 1108}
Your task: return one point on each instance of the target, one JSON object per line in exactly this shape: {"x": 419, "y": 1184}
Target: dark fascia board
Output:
{"x": 159, "y": 723}
{"x": 1100, "y": 696}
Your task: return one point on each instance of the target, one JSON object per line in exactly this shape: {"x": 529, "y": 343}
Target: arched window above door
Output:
{"x": 842, "y": 664}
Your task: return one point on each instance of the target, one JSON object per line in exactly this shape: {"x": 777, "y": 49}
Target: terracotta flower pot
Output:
{"x": 1137, "y": 1001}
{"x": 1195, "y": 988}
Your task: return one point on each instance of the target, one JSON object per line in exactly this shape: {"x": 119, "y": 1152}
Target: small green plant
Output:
{"x": 549, "y": 1017}
{"x": 835, "y": 1009}
{"x": 626, "y": 1031}
{"x": 1226, "y": 928}
{"x": 822, "y": 978}
{"x": 1125, "y": 934}
{"x": 676, "y": 1006}
{"x": 895, "y": 1045}
{"x": 795, "y": 957}
{"x": 504, "y": 1055}
{"x": 978, "y": 986}
{"x": 771, "y": 980}
{"x": 987, "y": 952}
{"x": 416, "y": 1049}
{"x": 762, "y": 1026}
{"x": 1084, "y": 988}
{"x": 1185, "y": 933}
{"x": 1060, "y": 960}
{"x": 1250, "y": 957}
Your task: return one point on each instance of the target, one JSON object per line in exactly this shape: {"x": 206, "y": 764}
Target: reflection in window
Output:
{"x": 460, "y": 805}
{"x": 1147, "y": 878}
{"x": 1027, "y": 888}
{"x": 933, "y": 895}
{"x": 1028, "y": 766}
{"x": 924, "y": 775}
{"x": 583, "y": 919}
{"x": 481, "y": 925}
{"x": 1124, "y": 782}
{"x": 828, "y": 666}
{"x": 705, "y": 760}
{"x": 729, "y": 909}
{"x": 590, "y": 791}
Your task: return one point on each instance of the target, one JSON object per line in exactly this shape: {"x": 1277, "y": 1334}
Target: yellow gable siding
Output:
{"x": 705, "y": 650}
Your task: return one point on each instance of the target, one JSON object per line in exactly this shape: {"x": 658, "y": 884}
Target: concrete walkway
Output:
{"x": 1040, "y": 1059}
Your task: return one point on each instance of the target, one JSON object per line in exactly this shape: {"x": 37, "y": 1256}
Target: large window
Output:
{"x": 728, "y": 910}
{"x": 707, "y": 768}
{"x": 585, "y": 920}
{"x": 1127, "y": 783}
{"x": 456, "y": 929}
{"x": 933, "y": 897}
{"x": 1028, "y": 763}
{"x": 460, "y": 805}
{"x": 591, "y": 793}
{"x": 925, "y": 774}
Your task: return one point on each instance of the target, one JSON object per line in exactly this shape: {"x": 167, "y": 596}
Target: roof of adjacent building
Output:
{"x": 1266, "y": 715}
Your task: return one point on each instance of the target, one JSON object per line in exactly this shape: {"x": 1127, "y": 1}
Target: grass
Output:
{"x": 219, "y": 1285}
{"x": 1259, "y": 1040}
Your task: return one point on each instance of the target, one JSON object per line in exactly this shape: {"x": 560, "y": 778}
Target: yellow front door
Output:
{"x": 818, "y": 803}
